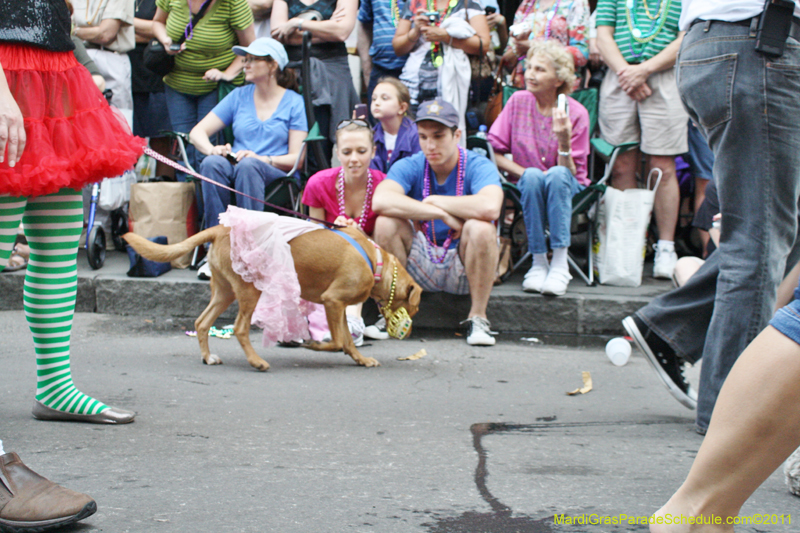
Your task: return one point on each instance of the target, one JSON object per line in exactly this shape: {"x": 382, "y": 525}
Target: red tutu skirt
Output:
{"x": 73, "y": 136}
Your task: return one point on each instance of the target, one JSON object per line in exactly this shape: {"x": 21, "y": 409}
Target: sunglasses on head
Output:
{"x": 357, "y": 121}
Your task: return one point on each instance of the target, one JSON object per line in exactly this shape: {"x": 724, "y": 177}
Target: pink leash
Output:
{"x": 167, "y": 161}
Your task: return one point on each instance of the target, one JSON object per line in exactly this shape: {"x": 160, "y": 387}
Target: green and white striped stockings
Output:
{"x": 53, "y": 225}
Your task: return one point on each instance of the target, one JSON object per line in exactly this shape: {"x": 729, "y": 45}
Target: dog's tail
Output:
{"x": 164, "y": 253}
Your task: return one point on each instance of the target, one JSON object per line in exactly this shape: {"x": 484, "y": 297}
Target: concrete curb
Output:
{"x": 179, "y": 294}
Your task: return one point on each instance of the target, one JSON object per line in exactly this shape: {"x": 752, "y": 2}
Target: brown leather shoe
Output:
{"x": 30, "y": 503}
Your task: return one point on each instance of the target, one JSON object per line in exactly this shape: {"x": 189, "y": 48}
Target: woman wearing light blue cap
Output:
{"x": 269, "y": 126}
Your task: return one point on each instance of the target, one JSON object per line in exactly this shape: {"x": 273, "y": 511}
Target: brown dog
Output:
{"x": 330, "y": 271}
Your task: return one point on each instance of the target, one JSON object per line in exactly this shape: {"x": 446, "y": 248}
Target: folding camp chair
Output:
{"x": 512, "y": 223}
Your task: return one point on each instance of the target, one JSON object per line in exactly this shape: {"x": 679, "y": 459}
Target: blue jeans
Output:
{"x": 185, "y": 111}
{"x": 547, "y": 201}
{"x": 701, "y": 159}
{"x": 250, "y": 176}
{"x": 787, "y": 319}
{"x": 747, "y": 106}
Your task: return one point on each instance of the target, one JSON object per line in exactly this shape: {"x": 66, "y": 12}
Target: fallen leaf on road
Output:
{"x": 419, "y": 355}
{"x": 587, "y": 385}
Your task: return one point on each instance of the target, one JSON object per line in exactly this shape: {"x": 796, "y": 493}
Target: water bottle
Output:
{"x": 481, "y": 135}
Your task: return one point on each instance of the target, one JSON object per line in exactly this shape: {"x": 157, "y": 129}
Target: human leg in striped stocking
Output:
{"x": 53, "y": 225}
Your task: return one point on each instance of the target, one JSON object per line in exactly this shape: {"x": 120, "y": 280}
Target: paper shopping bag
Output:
{"x": 164, "y": 208}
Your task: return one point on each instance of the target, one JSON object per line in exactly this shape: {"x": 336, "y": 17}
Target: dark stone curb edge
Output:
{"x": 572, "y": 314}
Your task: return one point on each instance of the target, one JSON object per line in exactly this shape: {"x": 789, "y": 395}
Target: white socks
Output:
{"x": 666, "y": 246}
{"x": 540, "y": 260}
{"x": 2, "y": 452}
{"x": 559, "y": 259}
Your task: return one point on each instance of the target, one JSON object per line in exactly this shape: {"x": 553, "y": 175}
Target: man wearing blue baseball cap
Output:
{"x": 437, "y": 210}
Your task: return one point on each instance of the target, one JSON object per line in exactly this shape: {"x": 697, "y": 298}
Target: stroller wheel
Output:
{"x": 96, "y": 247}
{"x": 119, "y": 227}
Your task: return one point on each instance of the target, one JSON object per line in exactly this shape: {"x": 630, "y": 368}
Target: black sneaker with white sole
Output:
{"x": 667, "y": 364}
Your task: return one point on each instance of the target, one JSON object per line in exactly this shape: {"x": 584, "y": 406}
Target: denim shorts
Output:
{"x": 787, "y": 319}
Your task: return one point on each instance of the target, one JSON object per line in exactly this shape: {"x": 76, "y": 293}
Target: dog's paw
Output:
{"x": 369, "y": 361}
{"x": 260, "y": 365}
{"x": 213, "y": 359}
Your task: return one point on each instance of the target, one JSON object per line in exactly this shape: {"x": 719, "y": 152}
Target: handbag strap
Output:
{"x": 195, "y": 19}
{"x": 475, "y": 98}
{"x": 498, "y": 75}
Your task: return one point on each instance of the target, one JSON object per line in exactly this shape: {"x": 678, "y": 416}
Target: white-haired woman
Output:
{"x": 550, "y": 147}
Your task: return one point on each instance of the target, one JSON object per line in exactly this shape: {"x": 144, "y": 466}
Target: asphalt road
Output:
{"x": 463, "y": 440}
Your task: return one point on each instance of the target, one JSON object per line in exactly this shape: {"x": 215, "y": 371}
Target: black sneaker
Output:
{"x": 663, "y": 359}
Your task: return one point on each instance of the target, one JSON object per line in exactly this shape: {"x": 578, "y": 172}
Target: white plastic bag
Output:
{"x": 145, "y": 168}
{"x": 622, "y": 220}
{"x": 116, "y": 192}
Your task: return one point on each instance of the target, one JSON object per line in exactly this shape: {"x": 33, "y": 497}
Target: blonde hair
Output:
{"x": 561, "y": 58}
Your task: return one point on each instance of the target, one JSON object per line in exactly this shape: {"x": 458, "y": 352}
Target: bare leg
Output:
{"x": 623, "y": 176}
{"x": 754, "y": 428}
{"x": 699, "y": 192}
{"x": 668, "y": 196}
{"x": 395, "y": 236}
{"x": 354, "y": 310}
{"x": 787, "y": 286}
{"x": 479, "y": 253}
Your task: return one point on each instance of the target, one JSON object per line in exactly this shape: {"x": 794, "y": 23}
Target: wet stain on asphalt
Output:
{"x": 501, "y": 518}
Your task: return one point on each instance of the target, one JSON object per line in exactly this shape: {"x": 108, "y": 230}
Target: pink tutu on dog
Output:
{"x": 261, "y": 255}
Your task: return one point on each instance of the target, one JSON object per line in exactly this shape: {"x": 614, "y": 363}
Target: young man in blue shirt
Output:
{"x": 437, "y": 210}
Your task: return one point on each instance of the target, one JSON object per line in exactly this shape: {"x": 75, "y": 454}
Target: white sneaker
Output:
{"x": 664, "y": 263}
{"x": 534, "y": 278}
{"x": 204, "y": 272}
{"x": 356, "y": 330}
{"x": 377, "y": 331}
{"x": 356, "y": 326}
{"x": 479, "y": 332}
{"x": 556, "y": 282}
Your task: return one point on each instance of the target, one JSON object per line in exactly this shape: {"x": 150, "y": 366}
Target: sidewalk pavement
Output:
{"x": 583, "y": 310}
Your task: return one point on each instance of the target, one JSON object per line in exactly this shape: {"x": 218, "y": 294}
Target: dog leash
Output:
{"x": 167, "y": 161}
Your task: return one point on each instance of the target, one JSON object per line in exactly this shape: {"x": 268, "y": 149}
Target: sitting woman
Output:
{"x": 343, "y": 195}
{"x": 269, "y": 127}
{"x": 395, "y": 135}
{"x": 550, "y": 147}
